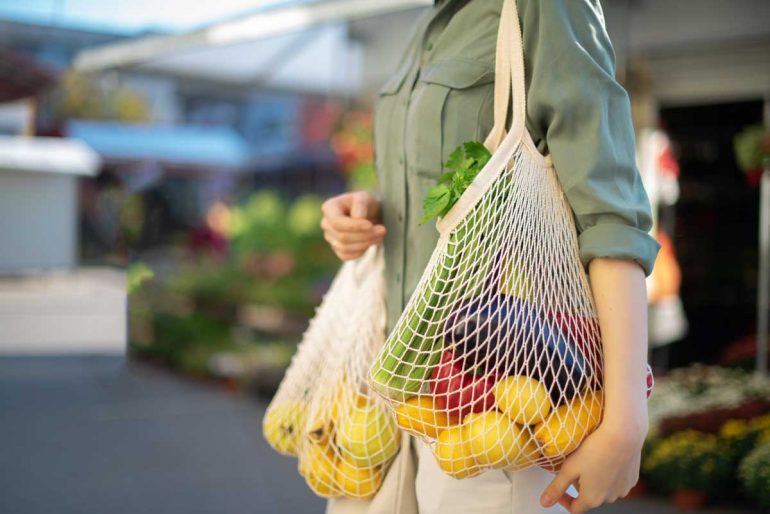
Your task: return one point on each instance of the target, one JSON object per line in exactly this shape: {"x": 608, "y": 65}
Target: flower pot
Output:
{"x": 687, "y": 499}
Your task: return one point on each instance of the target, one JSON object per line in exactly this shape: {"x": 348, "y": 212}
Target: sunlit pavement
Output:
{"x": 96, "y": 435}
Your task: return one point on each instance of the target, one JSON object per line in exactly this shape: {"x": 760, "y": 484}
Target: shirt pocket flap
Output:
{"x": 457, "y": 74}
{"x": 393, "y": 84}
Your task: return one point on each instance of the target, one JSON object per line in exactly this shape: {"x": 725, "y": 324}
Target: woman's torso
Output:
{"x": 440, "y": 96}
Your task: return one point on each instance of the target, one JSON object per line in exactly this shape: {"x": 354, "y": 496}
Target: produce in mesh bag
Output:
{"x": 343, "y": 435}
{"x": 496, "y": 362}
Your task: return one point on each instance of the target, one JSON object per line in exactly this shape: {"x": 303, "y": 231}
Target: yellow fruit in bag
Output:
{"x": 368, "y": 436}
{"x": 514, "y": 280}
{"x": 419, "y": 414}
{"x": 358, "y": 482}
{"x": 283, "y": 425}
{"x": 569, "y": 424}
{"x": 496, "y": 441}
{"x": 525, "y": 400}
{"x": 318, "y": 465}
{"x": 329, "y": 409}
{"x": 453, "y": 453}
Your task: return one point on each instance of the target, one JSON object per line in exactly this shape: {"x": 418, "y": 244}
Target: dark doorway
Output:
{"x": 715, "y": 227}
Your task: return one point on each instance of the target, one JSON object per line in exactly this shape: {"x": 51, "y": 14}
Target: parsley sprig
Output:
{"x": 463, "y": 164}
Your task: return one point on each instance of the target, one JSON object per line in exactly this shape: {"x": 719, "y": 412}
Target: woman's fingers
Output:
{"x": 557, "y": 489}
{"x": 351, "y": 245}
{"x": 346, "y": 226}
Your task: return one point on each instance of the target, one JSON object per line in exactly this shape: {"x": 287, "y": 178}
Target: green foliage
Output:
{"x": 136, "y": 274}
{"x": 278, "y": 258}
{"x": 363, "y": 177}
{"x": 463, "y": 164}
{"x": 305, "y": 215}
{"x": 260, "y": 224}
{"x": 754, "y": 473}
{"x": 177, "y": 335}
{"x": 740, "y": 436}
{"x": 750, "y": 152}
{"x": 687, "y": 460}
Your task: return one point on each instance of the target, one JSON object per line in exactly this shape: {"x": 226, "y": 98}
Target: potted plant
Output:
{"x": 752, "y": 152}
{"x": 754, "y": 472}
{"x": 688, "y": 465}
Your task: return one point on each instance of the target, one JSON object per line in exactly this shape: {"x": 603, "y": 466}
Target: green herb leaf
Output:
{"x": 436, "y": 203}
{"x": 455, "y": 158}
{"x": 462, "y": 166}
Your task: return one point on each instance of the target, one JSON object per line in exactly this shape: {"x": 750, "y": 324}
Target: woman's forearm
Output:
{"x": 621, "y": 302}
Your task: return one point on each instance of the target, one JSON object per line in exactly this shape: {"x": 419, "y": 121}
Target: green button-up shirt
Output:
{"x": 442, "y": 95}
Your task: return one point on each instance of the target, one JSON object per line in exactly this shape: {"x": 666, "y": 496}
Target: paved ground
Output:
{"x": 97, "y": 436}
{"x": 94, "y": 435}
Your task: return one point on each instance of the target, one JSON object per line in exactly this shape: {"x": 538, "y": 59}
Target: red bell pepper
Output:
{"x": 459, "y": 391}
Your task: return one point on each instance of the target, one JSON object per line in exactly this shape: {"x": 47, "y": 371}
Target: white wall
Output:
{"x": 37, "y": 221}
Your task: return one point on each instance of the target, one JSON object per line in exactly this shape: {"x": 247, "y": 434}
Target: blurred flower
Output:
{"x": 353, "y": 144}
{"x": 219, "y": 218}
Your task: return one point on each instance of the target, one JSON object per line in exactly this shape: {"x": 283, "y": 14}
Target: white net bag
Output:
{"x": 343, "y": 436}
{"x": 496, "y": 361}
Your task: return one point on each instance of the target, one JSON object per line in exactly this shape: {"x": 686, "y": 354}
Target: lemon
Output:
{"x": 524, "y": 399}
{"x": 332, "y": 406}
{"x": 569, "y": 424}
{"x": 318, "y": 464}
{"x": 368, "y": 436}
{"x": 356, "y": 481}
{"x": 497, "y": 442}
{"x": 283, "y": 425}
{"x": 453, "y": 454}
{"x": 419, "y": 415}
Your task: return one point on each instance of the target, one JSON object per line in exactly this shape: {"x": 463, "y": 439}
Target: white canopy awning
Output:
{"x": 47, "y": 155}
{"x": 300, "y": 47}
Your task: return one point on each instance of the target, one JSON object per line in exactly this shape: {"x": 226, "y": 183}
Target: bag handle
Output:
{"x": 509, "y": 78}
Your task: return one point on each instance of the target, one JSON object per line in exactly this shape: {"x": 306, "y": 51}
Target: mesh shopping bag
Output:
{"x": 496, "y": 360}
{"x": 343, "y": 435}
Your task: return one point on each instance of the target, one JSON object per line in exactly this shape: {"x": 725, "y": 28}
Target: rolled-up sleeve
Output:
{"x": 579, "y": 113}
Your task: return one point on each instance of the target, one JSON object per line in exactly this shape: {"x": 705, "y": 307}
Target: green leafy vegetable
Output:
{"x": 462, "y": 166}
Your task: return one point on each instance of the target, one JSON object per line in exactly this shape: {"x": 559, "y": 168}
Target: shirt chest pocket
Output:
{"x": 452, "y": 102}
{"x": 384, "y": 122}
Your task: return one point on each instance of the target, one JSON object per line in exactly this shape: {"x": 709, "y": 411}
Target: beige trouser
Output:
{"x": 415, "y": 485}
{"x": 492, "y": 492}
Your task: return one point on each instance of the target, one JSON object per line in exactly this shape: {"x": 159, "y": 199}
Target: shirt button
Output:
{"x": 401, "y": 161}
{"x": 398, "y": 277}
{"x": 429, "y": 47}
{"x": 400, "y": 217}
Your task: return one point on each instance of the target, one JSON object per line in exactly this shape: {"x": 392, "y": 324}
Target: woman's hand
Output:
{"x": 606, "y": 464}
{"x": 352, "y": 223}
{"x": 603, "y": 468}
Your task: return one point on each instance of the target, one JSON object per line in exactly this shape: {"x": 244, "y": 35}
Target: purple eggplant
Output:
{"x": 501, "y": 334}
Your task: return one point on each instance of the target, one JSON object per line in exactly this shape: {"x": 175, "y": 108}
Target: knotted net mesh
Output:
{"x": 343, "y": 435}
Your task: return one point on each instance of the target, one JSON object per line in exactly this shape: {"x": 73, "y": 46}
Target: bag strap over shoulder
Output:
{"x": 509, "y": 78}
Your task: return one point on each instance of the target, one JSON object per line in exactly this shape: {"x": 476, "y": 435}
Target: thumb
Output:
{"x": 359, "y": 205}
{"x": 557, "y": 488}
